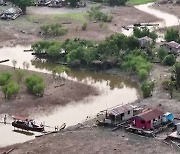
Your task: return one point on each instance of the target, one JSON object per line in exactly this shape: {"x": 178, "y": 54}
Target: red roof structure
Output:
{"x": 21, "y": 118}
{"x": 150, "y": 114}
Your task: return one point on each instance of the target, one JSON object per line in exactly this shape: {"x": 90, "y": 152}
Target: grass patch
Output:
{"x": 55, "y": 17}
{"x": 74, "y": 16}
{"x": 138, "y": 2}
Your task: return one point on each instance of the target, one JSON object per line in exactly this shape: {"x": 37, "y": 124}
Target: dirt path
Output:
{"x": 161, "y": 98}
{"x": 91, "y": 141}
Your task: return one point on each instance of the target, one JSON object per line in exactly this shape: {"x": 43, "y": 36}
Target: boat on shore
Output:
{"x": 26, "y": 124}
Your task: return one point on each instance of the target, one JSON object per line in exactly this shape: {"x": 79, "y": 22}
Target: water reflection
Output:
{"x": 114, "y": 90}
{"x": 87, "y": 76}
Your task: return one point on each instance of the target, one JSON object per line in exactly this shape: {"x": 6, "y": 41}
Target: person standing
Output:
{"x": 5, "y": 118}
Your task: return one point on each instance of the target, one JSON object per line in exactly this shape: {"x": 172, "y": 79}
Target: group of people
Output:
{"x": 29, "y": 123}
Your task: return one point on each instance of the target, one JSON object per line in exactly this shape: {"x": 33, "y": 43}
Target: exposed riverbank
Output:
{"x": 58, "y": 92}
{"x": 87, "y": 138}
{"x": 96, "y": 140}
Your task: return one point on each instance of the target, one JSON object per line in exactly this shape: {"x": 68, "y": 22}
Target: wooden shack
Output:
{"x": 148, "y": 119}
{"x": 119, "y": 113}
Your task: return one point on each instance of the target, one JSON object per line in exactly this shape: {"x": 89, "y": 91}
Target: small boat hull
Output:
{"x": 23, "y": 126}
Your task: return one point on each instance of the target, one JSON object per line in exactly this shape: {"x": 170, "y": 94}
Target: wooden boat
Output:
{"x": 26, "y": 124}
{"x": 63, "y": 126}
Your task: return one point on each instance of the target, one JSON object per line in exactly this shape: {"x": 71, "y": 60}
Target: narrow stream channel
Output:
{"x": 115, "y": 90}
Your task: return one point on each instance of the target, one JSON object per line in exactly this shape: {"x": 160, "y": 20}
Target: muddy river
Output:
{"x": 114, "y": 90}
{"x": 167, "y": 20}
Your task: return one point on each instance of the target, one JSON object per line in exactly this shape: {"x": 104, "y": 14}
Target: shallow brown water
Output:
{"x": 114, "y": 90}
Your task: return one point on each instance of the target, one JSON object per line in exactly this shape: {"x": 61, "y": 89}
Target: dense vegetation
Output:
{"x": 96, "y": 14}
{"x": 53, "y": 29}
{"x": 9, "y": 87}
{"x": 144, "y": 31}
{"x": 117, "y": 50}
{"x": 164, "y": 57}
{"x": 73, "y": 3}
{"x": 172, "y": 35}
{"x": 147, "y": 88}
{"x": 35, "y": 84}
{"x": 177, "y": 74}
{"x": 12, "y": 83}
{"x": 23, "y": 4}
{"x": 112, "y": 2}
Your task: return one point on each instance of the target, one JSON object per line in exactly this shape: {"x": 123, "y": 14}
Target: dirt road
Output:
{"x": 170, "y": 8}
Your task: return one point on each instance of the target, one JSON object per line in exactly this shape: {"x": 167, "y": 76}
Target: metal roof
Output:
{"x": 150, "y": 114}
{"x": 117, "y": 110}
{"x": 145, "y": 38}
{"x": 173, "y": 44}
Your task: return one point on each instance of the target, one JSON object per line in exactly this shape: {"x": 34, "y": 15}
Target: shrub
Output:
{"x": 169, "y": 60}
{"x": 144, "y": 31}
{"x": 10, "y": 89}
{"x": 162, "y": 53}
{"x": 19, "y": 74}
{"x": 165, "y": 84}
{"x": 172, "y": 35}
{"x": 95, "y": 14}
{"x": 147, "y": 88}
{"x": 84, "y": 26}
{"x": 35, "y": 84}
{"x": 5, "y": 78}
{"x": 53, "y": 29}
{"x": 143, "y": 74}
{"x": 102, "y": 26}
{"x": 177, "y": 73}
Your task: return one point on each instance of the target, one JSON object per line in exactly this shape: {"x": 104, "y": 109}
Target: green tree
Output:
{"x": 169, "y": 60}
{"x": 73, "y": 3}
{"x": 10, "y": 89}
{"x": 35, "y": 84}
{"x": 162, "y": 53}
{"x": 143, "y": 74}
{"x": 60, "y": 69}
{"x": 172, "y": 35}
{"x": 147, "y": 88}
{"x": 23, "y": 4}
{"x": 144, "y": 31}
{"x": 38, "y": 89}
{"x": 54, "y": 50}
{"x": 177, "y": 73}
{"x": 5, "y": 78}
{"x": 132, "y": 42}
